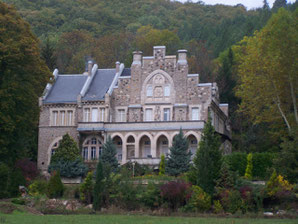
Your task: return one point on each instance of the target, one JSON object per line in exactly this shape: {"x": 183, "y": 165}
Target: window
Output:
{"x": 52, "y": 151}
{"x": 166, "y": 114}
{"x": 94, "y": 114}
{"x": 193, "y": 142}
{"x": 195, "y": 113}
{"x": 93, "y": 153}
{"x": 93, "y": 141}
{"x": 102, "y": 114}
{"x": 86, "y": 114}
{"x": 55, "y": 118}
{"x": 147, "y": 143}
{"x": 165, "y": 142}
{"x": 148, "y": 115}
{"x": 62, "y": 117}
{"x": 85, "y": 153}
{"x": 99, "y": 150}
{"x": 167, "y": 91}
{"x": 121, "y": 115}
{"x": 149, "y": 91}
{"x": 69, "y": 117}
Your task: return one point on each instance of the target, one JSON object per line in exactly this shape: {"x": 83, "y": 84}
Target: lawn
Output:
{"x": 25, "y": 218}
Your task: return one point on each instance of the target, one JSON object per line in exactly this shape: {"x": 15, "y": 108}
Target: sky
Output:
{"x": 248, "y": 3}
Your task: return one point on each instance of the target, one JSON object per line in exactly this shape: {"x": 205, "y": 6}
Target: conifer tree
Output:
{"x": 179, "y": 158}
{"x": 226, "y": 179}
{"x": 162, "y": 165}
{"x": 108, "y": 156}
{"x": 98, "y": 187}
{"x": 55, "y": 187}
{"x": 208, "y": 159}
{"x": 248, "y": 171}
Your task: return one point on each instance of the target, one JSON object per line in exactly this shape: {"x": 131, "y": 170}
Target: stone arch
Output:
{"x": 119, "y": 145}
{"x": 148, "y": 78}
{"x": 193, "y": 140}
{"x": 145, "y": 142}
{"x": 56, "y": 140}
{"x": 131, "y": 141}
{"x": 162, "y": 141}
{"x": 173, "y": 135}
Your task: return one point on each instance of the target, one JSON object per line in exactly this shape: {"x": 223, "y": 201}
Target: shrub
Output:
{"x": 151, "y": 196}
{"x": 230, "y": 200}
{"x": 139, "y": 170}
{"x": 28, "y": 168}
{"x": 55, "y": 186}
{"x": 18, "y": 201}
{"x": 277, "y": 184}
{"x": 200, "y": 200}
{"x": 162, "y": 165}
{"x": 217, "y": 207}
{"x": 237, "y": 162}
{"x": 261, "y": 164}
{"x": 16, "y": 179}
{"x": 69, "y": 169}
{"x": 86, "y": 189}
{"x": 248, "y": 170}
{"x": 176, "y": 194}
{"x": 4, "y": 174}
{"x": 38, "y": 188}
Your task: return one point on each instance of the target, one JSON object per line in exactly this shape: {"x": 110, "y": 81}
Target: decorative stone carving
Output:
{"x": 157, "y": 114}
{"x": 158, "y": 93}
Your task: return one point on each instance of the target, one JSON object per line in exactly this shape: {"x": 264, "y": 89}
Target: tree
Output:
{"x": 23, "y": 76}
{"x": 48, "y": 54}
{"x": 226, "y": 179}
{"x": 248, "y": 170}
{"x": 55, "y": 186}
{"x": 108, "y": 155}
{"x": 268, "y": 72}
{"x": 86, "y": 189}
{"x": 279, "y": 4}
{"x": 162, "y": 165}
{"x": 208, "y": 159}
{"x": 98, "y": 187}
{"x": 179, "y": 158}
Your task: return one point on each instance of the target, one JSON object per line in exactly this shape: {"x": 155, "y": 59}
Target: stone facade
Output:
{"x": 142, "y": 108}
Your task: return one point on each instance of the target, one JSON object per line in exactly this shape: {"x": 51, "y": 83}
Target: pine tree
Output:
{"x": 162, "y": 165}
{"x": 99, "y": 187}
{"x": 208, "y": 159}
{"x": 86, "y": 189}
{"x": 279, "y": 4}
{"x": 48, "y": 54}
{"x": 248, "y": 171}
{"x": 108, "y": 156}
{"x": 179, "y": 158}
{"x": 67, "y": 150}
{"x": 226, "y": 179}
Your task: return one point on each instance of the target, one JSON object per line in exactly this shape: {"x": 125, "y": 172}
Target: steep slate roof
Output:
{"x": 66, "y": 89}
{"x": 100, "y": 84}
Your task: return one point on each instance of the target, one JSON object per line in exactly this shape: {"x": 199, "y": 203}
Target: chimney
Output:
{"x": 159, "y": 51}
{"x": 182, "y": 57}
{"x": 137, "y": 58}
{"x": 117, "y": 66}
{"x": 90, "y": 64}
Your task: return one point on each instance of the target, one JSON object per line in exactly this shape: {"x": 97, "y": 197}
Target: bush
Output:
{"x": 237, "y": 162}
{"x": 162, "y": 165}
{"x": 261, "y": 164}
{"x": 55, "y": 186}
{"x": 151, "y": 196}
{"x": 18, "y": 201}
{"x": 200, "y": 200}
{"x": 176, "y": 194}
{"x": 4, "y": 174}
{"x": 38, "y": 188}
{"x": 230, "y": 200}
{"x": 69, "y": 169}
{"x": 217, "y": 207}
{"x": 16, "y": 179}
{"x": 86, "y": 189}
{"x": 139, "y": 170}
{"x": 248, "y": 170}
{"x": 28, "y": 168}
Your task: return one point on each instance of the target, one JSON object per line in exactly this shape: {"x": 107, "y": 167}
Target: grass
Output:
{"x": 24, "y": 218}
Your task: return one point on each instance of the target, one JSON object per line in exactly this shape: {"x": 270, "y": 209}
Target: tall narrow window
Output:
{"x": 55, "y": 118}
{"x": 121, "y": 115}
{"x": 149, "y": 91}
{"x": 148, "y": 115}
{"x": 85, "y": 153}
{"x": 166, "y": 114}
{"x": 195, "y": 113}
{"x": 86, "y": 114}
{"x": 93, "y": 153}
{"x": 167, "y": 90}
{"x": 93, "y": 141}
{"x": 102, "y": 114}
{"x": 94, "y": 114}
{"x": 62, "y": 118}
{"x": 69, "y": 117}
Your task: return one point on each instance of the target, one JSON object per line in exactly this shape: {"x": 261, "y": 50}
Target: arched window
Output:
{"x": 92, "y": 148}
{"x": 54, "y": 147}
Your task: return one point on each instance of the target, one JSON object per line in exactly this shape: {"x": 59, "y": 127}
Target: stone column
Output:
{"x": 137, "y": 149}
{"x": 124, "y": 152}
{"x": 153, "y": 148}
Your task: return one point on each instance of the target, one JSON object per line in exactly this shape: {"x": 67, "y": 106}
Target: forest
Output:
{"x": 251, "y": 54}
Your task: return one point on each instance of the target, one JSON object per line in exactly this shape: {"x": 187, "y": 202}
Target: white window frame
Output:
{"x": 69, "y": 117}
{"x": 149, "y": 91}
{"x": 102, "y": 114}
{"x": 93, "y": 152}
{"x": 94, "y": 114}
{"x": 85, "y": 153}
{"x": 167, "y": 90}
{"x": 86, "y": 114}
{"x": 166, "y": 116}
{"x": 55, "y": 117}
{"x": 121, "y": 115}
{"x": 62, "y": 117}
{"x": 195, "y": 117}
{"x": 146, "y": 115}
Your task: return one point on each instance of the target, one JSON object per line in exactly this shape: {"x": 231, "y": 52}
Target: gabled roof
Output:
{"x": 66, "y": 89}
{"x": 100, "y": 84}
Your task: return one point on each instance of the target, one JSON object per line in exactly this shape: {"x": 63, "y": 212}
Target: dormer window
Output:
{"x": 149, "y": 91}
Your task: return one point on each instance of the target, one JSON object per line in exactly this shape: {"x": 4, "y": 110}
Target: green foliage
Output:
{"x": 108, "y": 157}
{"x": 226, "y": 178}
{"x": 18, "y": 201}
{"x": 4, "y": 177}
{"x": 86, "y": 189}
{"x": 140, "y": 170}
{"x": 69, "y": 169}
{"x": 179, "y": 158}
{"x": 22, "y": 80}
{"x": 55, "y": 186}
{"x": 67, "y": 150}
{"x": 277, "y": 184}
{"x": 162, "y": 165}
{"x": 208, "y": 159}
{"x": 151, "y": 196}
{"x": 38, "y": 188}
{"x": 262, "y": 163}
{"x": 16, "y": 179}
{"x": 98, "y": 187}
{"x": 200, "y": 200}
{"x": 237, "y": 162}
{"x": 217, "y": 207}
{"x": 287, "y": 160}
{"x": 230, "y": 200}
{"x": 248, "y": 170}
